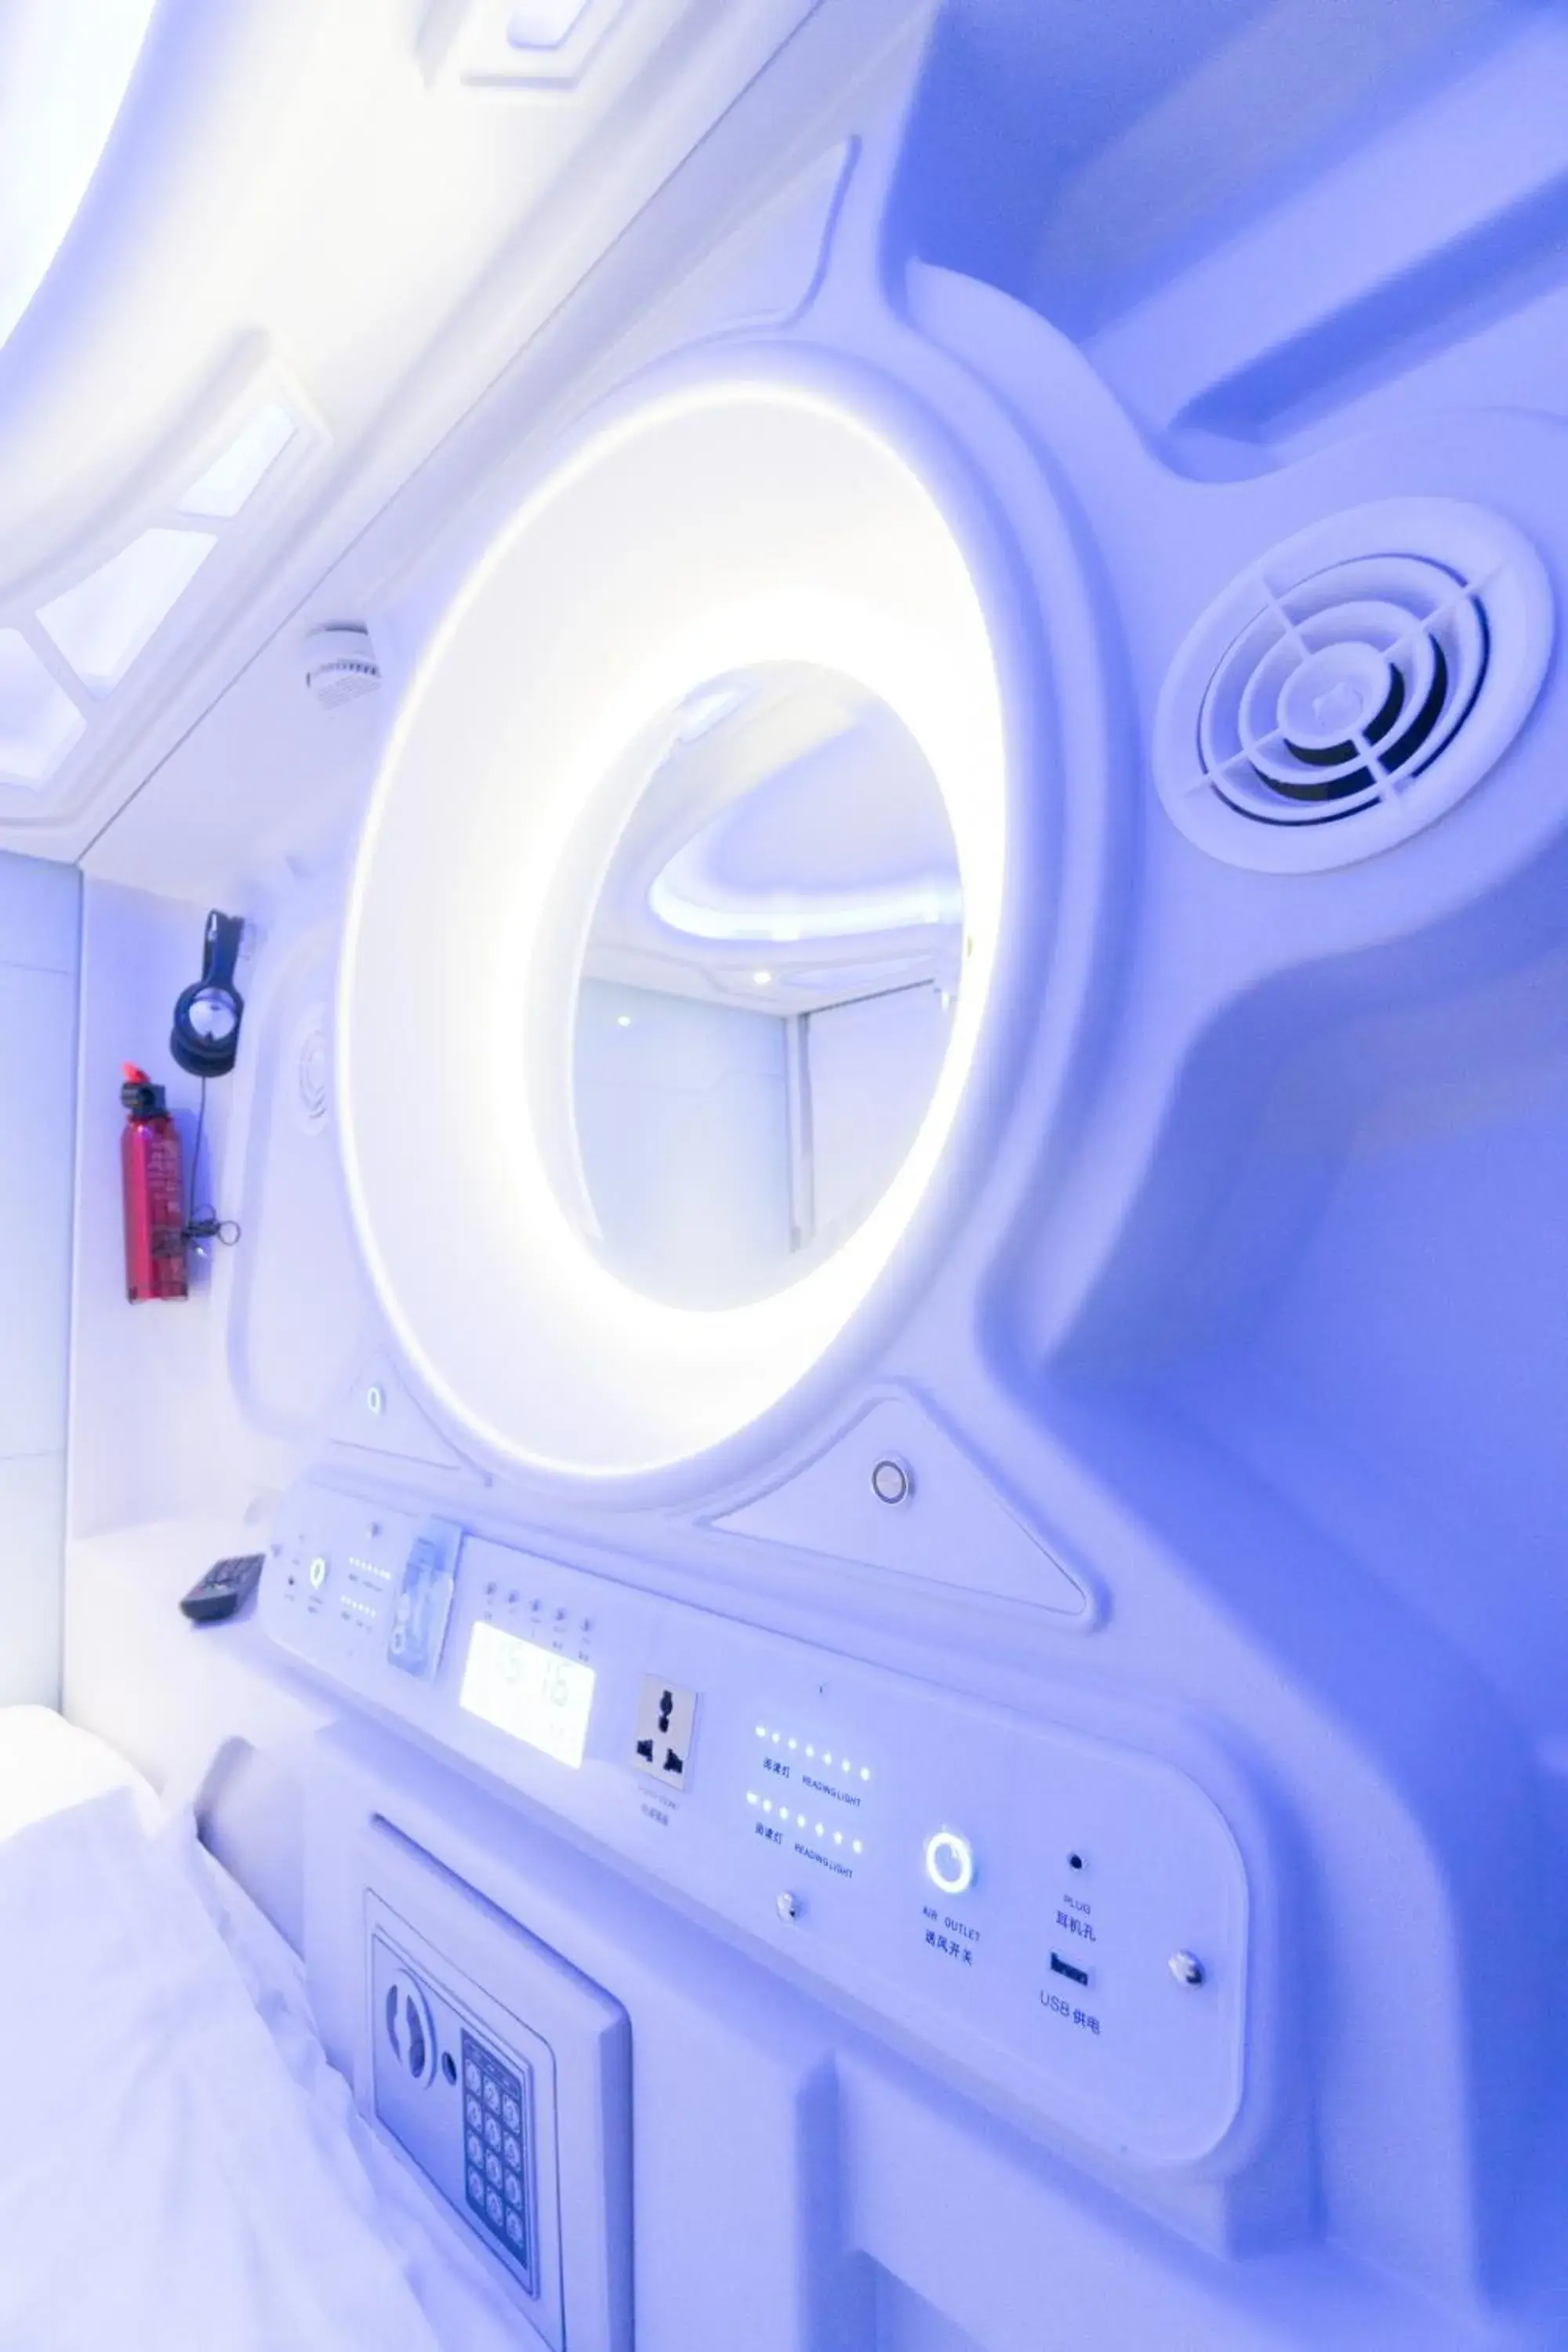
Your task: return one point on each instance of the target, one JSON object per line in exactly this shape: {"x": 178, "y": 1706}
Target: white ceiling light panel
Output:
{"x": 515, "y": 43}
{"x": 542, "y": 24}
{"x": 106, "y": 620}
{"x": 228, "y": 482}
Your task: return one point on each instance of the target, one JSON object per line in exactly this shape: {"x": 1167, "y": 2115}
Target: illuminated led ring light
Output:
{"x": 717, "y": 527}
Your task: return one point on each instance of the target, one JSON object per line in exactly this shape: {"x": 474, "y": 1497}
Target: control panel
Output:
{"x": 1066, "y": 1917}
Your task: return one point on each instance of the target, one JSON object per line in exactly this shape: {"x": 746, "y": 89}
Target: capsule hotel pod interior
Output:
{"x": 784, "y": 1194}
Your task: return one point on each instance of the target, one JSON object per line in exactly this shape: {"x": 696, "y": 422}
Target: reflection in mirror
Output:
{"x": 767, "y": 987}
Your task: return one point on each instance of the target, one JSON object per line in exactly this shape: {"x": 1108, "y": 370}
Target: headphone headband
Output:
{"x": 206, "y": 1048}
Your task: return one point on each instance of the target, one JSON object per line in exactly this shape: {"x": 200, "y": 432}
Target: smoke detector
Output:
{"x": 340, "y": 664}
{"x": 1352, "y": 685}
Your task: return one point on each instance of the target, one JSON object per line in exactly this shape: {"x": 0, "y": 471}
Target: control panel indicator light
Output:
{"x": 762, "y": 1731}
{"x": 811, "y": 1751}
{"x": 776, "y": 1739}
{"x": 950, "y": 1862}
{"x": 750, "y": 1796}
{"x": 858, "y": 1847}
{"x": 837, "y": 1837}
{"x": 819, "y": 1830}
{"x": 794, "y": 1743}
{"x": 865, "y": 1771}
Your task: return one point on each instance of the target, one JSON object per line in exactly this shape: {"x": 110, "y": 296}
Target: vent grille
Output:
{"x": 1352, "y": 685}
{"x": 313, "y": 1071}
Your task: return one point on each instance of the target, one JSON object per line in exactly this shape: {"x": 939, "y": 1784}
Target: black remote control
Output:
{"x": 225, "y": 1588}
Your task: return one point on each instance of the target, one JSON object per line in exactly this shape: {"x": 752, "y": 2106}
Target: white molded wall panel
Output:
{"x": 39, "y": 908}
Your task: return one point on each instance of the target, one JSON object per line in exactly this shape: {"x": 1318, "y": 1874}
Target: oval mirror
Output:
{"x": 767, "y": 990}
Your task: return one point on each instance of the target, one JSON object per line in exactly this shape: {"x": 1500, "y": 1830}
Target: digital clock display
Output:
{"x": 529, "y": 1692}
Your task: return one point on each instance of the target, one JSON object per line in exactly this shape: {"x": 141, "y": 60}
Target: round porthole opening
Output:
{"x": 672, "y": 929}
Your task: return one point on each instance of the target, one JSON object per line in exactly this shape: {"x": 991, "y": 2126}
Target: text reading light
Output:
{"x": 528, "y": 1692}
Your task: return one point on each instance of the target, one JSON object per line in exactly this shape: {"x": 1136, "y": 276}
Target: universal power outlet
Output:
{"x": 666, "y": 1729}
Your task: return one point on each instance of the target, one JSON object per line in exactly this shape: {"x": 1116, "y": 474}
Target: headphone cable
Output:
{"x": 205, "y": 1225}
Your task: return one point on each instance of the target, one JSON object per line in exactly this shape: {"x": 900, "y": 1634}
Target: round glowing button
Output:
{"x": 950, "y": 1862}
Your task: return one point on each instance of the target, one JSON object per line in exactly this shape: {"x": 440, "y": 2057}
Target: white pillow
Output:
{"x": 164, "y": 2185}
{"x": 47, "y": 1764}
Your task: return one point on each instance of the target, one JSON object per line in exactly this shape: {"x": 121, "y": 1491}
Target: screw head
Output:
{"x": 788, "y": 1906}
{"x": 1186, "y": 1967}
{"x": 892, "y": 1481}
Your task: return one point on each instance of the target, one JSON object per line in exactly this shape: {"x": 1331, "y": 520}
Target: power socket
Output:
{"x": 665, "y": 1730}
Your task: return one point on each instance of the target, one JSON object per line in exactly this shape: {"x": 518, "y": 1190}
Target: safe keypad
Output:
{"x": 494, "y": 2172}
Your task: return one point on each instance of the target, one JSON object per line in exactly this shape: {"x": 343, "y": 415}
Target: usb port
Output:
{"x": 1060, "y": 1967}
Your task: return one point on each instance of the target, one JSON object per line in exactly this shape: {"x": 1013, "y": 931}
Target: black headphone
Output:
{"x": 207, "y": 1014}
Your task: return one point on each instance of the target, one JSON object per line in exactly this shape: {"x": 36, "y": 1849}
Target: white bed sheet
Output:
{"x": 180, "y": 2169}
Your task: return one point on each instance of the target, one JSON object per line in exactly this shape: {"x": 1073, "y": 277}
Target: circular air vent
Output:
{"x": 1352, "y": 685}
{"x": 312, "y": 1065}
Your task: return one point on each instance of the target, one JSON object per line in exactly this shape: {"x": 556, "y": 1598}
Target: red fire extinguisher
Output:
{"x": 153, "y": 1182}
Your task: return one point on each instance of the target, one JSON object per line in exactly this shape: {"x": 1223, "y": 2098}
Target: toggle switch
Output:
{"x": 950, "y": 1862}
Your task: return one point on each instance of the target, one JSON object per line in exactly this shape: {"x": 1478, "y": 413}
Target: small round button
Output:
{"x": 950, "y": 1862}
{"x": 891, "y": 1481}
{"x": 788, "y": 1906}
